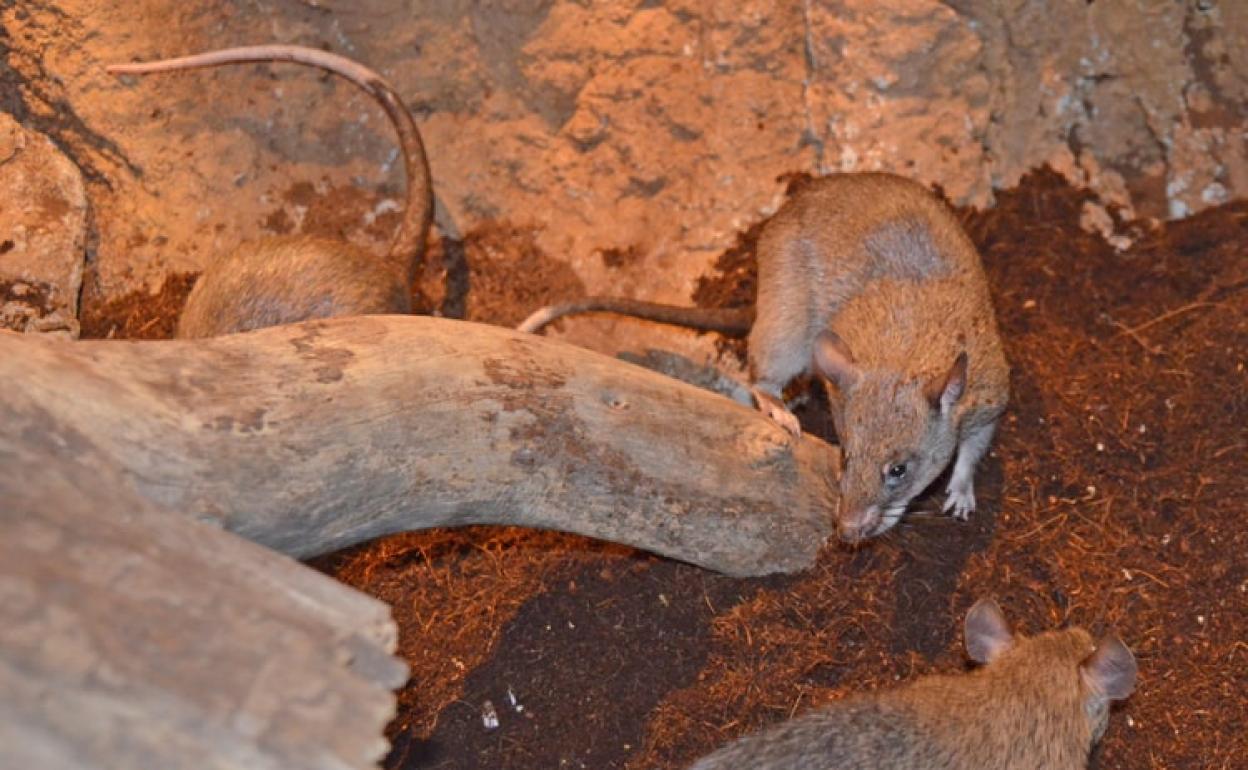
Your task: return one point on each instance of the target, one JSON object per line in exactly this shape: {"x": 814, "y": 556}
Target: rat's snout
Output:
{"x": 856, "y": 523}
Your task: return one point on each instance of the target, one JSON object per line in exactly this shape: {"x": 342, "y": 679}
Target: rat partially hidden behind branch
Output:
{"x": 283, "y": 280}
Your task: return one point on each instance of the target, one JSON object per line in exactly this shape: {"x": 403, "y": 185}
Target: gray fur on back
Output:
{"x": 858, "y": 733}
{"x": 833, "y": 240}
{"x": 253, "y": 288}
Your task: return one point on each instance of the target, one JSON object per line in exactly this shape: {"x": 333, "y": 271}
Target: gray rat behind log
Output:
{"x": 1038, "y": 703}
{"x": 282, "y": 280}
{"x": 869, "y": 281}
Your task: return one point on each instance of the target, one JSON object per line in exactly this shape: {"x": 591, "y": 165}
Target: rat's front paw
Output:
{"x": 787, "y": 420}
{"x": 960, "y": 502}
{"x": 777, "y": 411}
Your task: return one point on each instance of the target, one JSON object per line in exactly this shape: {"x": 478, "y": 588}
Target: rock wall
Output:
{"x": 632, "y": 139}
{"x": 43, "y": 229}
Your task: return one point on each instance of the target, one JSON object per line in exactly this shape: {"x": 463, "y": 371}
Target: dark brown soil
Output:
{"x": 135, "y": 316}
{"x": 1115, "y": 497}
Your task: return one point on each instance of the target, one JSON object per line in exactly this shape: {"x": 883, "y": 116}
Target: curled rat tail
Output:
{"x": 409, "y": 242}
{"x": 730, "y": 321}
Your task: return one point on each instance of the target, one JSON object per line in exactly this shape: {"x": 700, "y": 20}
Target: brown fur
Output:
{"x": 253, "y": 288}
{"x": 1040, "y": 703}
{"x": 905, "y": 338}
{"x": 285, "y": 280}
{"x": 875, "y": 271}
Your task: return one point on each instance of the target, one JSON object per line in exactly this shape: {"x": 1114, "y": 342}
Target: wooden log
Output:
{"x": 311, "y": 437}
{"x": 132, "y": 637}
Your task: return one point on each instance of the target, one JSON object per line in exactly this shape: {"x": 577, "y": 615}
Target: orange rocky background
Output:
{"x": 629, "y": 141}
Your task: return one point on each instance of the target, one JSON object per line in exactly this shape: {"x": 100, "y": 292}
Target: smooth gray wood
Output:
{"x": 134, "y": 637}
{"x": 311, "y": 437}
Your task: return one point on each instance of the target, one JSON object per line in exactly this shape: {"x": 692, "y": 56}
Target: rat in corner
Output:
{"x": 1037, "y": 703}
{"x": 283, "y": 280}
{"x": 869, "y": 281}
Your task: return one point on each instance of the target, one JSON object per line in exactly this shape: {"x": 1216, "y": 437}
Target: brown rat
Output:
{"x": 1037, "y": 703}
{"x": 869, "y": 281}
{"x": 283, "y": 280}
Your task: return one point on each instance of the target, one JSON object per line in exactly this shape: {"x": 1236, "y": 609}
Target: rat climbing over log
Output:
{"x": 869, "y": 281}
{"x": 283, "y": 280}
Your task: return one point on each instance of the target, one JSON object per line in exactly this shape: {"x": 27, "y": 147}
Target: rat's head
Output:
{"x": 1061, "y": 671}
{"x": 896, "y": 435}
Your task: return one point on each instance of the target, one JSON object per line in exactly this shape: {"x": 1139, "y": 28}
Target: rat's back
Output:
{"x": 857, "y": 733}
{"x": 835, "y": 238}
{"x": 285, "y": 280}
{"x": 844, "y": 230}
{"x": 945, "y": 723}
{"x": 1038, "y": 703}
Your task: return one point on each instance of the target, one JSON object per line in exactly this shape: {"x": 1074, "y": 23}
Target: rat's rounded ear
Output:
{"x": 834, "y": 360}
{"x": 987, "y": 634}
{"x": 943, "y": 392}
{"x": 1110, "y": 671}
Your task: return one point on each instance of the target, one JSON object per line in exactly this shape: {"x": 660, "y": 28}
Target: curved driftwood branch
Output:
{"x": 312, "y": 437}
{"x": 134, "y": 637}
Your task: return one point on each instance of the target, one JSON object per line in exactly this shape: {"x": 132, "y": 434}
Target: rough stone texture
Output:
{"x": 634, "y": 139}
{"x": 43, "y": 229}
{"x": 1142, "y": 101}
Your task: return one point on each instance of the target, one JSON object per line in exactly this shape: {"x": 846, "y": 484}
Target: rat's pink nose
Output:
{"x": 857, "y": 523}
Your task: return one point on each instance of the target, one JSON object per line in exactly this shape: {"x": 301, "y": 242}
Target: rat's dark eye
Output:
{"x": 895, "y": 472}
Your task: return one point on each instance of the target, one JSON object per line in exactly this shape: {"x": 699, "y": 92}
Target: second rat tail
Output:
{"x": 734, "y": 322}
{"x": 409, "y": 242}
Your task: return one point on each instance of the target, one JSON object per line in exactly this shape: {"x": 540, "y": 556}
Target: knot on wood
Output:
{"x": 615, "y": 401}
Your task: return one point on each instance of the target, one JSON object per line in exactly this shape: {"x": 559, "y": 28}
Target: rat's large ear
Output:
{"x": 987, "y": 633}
{"x": 1110, "y": 671}
{"x": 834, "y": 361}
{"x": 943, "y": 392}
